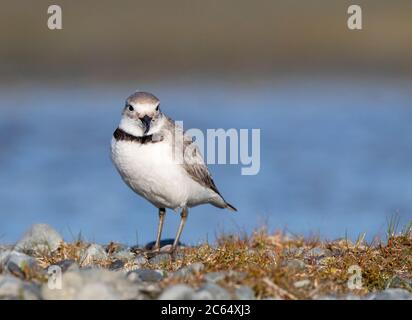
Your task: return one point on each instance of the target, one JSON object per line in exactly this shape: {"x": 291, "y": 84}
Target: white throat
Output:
{"x": 132, "y": 127}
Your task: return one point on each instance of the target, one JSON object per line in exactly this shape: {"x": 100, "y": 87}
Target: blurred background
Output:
{"x": 334, "y": 107}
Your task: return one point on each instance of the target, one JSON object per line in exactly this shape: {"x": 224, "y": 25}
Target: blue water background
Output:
{"x": 336, "y": 157}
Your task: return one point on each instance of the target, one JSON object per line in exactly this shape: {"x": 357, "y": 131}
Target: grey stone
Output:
{"x": 244, "y": 293}
{"x": 293, "y": 251}
{"x": 295, "y": 264}
{"x": 301, "y": 283}
{"x": 215, "y": 276}
{"x": 316, "y": 252}
{"x": 15, "y": 270}
{"x": 14, "y": 288}
{"x": 39, "y": 238}
{"x": 221, "y": 275}
{"x": 4, "y": 255}
{"x": 151, "y": 289}
{"x": 67, "y": 264}
{"x": 97, "y": 291}
{"x": 124, "y": 255}
{"x": 390, "y": 294}
{"x": 212, "y": 291}
{"x": 4, "y": 248}
{"x": 236, "y": 275}
{"x": 93, "y": 253}
{"x": 149, "y": 275}
{"x": 399, "y": 282}
{"x": 140, "y": 260}
{"x": 20, "y": 264}
{"x": 177, "y": 292}
{"x": 166, "y": 248}
{"x": 160, "y": 258}
{"x": 189, "y": 269}
{"x": 178, "y": 255}
{"x": 116, "y": 265}
{"x": 96, "y": 284}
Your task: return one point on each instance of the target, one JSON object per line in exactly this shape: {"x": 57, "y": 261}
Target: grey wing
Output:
{"x": 195, "y": 166}
{"x": 193, "y": 162}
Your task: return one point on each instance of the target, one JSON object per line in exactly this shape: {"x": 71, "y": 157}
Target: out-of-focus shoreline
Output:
{"x": 150, "y": 39}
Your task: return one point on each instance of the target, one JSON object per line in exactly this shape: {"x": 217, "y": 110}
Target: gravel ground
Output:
{"x": 117, "y": 271}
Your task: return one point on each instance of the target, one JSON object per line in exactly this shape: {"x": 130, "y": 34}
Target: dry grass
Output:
{"x": 273, "y": 264}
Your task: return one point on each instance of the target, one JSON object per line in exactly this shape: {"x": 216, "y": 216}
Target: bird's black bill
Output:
{"x": 146, "y": 120}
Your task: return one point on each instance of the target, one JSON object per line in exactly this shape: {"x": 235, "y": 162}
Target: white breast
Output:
{"x": 150, "y": 170}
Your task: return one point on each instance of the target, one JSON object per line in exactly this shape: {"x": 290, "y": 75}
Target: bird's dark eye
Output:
{"x": 130, "y": 108}
{"x": 157, "y": 108}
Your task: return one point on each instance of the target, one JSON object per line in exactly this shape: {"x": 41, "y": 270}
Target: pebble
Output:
{"x": 399, "y": 282}
{"x": 39, "y": 238}
{"x": 67, "y": 264}
{"x": 316, "y": 252}
{"x": 391, "y": 294}
{"x": 140, "y": 260}
{"x": 244, "y": 293}
{"x": 189, "y": 269}
{"x": 93, "y": 253}
{"x": 149, "y": 275}
{"x": 15, "y": 288}
{"x": 302, "y": 283}
{"x": 295, "y": 264}
{"x": 116, "y": 265}
{"x": 97, "y": 291}
{"x": 124, "y": 255}
{"x": 166, "y": 248}
{"x": 160, "y": 258}
{"x": 93, "y": 283}
{"x": 215, "y": 276}
{"x": 293, "y": 251}
{"x": 4, "y": 256}
{"x": 177, "y": 292}
{"x": 212, "y": 291}
{"x": 20, "y": 264}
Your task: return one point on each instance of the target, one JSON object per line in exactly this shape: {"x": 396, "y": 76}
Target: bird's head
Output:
{"x": 141, "y": 115}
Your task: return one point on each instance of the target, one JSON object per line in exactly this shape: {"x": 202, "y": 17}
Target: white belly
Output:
{"x": 150, "y": 171}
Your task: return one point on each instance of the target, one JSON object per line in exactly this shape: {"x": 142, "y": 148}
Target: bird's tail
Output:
{"x": 220, "y": 202}
{"x": 230, "y": 207}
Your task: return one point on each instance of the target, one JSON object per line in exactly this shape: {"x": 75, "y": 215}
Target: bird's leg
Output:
{"x": 162, "y": 214}
{"x": 183, "y": 217}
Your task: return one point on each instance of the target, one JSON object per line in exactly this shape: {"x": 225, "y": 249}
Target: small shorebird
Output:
{"x": 158, "y": 161}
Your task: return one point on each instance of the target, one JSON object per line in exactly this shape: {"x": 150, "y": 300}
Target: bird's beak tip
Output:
{"x": 146, "y": 120}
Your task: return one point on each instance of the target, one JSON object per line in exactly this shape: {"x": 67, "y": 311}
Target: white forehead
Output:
{"x": 144, "y": 107}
